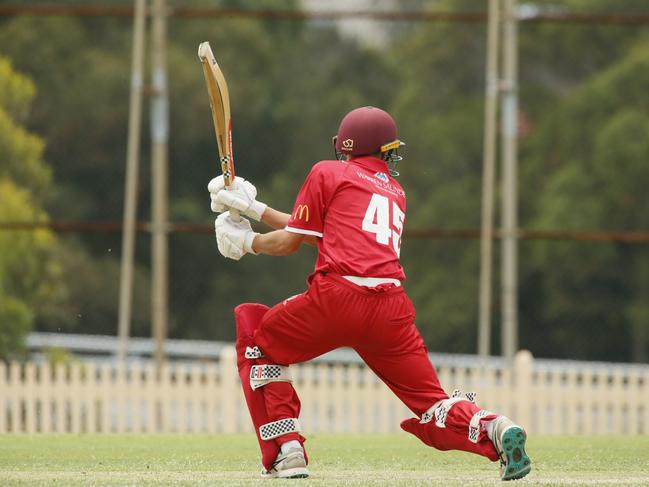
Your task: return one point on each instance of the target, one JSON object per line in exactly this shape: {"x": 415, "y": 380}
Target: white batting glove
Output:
{"x": 216, "y": 185}
{"x": 241, "y": 196}
{"x": 234, "y": 239}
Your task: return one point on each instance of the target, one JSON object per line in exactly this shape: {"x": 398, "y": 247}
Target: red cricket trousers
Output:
{"x": 379, "y": 323}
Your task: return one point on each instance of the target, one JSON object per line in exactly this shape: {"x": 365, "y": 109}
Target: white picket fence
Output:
{"x": 547, "y": 397}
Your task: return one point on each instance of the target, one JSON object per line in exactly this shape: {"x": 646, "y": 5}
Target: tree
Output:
{"x": 438, "y": 107}
{"x": 290, "y": 84}
{"x": 594, "y": 147}
{"x": 29, "y": 277}
{"x": 286, "y": 106}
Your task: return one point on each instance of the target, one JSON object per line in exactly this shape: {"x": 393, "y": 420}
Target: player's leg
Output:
{"x": 281, "y": 445}
{"x": 248, "y": 317}
{"x": 411, "y": 376}
{"x": 268, "y": 341}
{"x": 457, "y": 423}
{"x": 395, "y": 350}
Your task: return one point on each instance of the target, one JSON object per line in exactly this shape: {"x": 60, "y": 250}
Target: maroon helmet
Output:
{"x": 368, "y": 130}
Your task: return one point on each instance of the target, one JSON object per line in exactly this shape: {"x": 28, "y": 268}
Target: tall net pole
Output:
{"x": 488, "y": 176}
{"x": 130, "y": 192}
{"x": 509, "y": 182}
{"x": 159, "y": 176}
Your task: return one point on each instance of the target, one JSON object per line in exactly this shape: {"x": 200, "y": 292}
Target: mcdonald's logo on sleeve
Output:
{"x": 301, "y": 213}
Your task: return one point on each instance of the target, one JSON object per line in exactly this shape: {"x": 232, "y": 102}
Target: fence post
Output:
{"x": 354, "y": 396}
{"x": 15, "y": 385}
{"x": 523, "y": 387}
{"x": 229, "y": 390}
{"x": 212, "y": 402}
{"x": 90, "y": 396}
{"x": 74, "y": 397}
{"x": 31, "y": 396}
{"x": 45, "y": 388}
{"x": 633, "y": 402}
{"x": 643, "y": 426}
{"x": 338, "y": 398}
{"x": 3, "y": 399}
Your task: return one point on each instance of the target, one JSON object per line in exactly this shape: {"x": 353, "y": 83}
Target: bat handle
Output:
{"x": 234, "y": 214}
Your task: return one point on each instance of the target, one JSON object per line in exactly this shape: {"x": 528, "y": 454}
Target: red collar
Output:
{"x": 370, "y": 162}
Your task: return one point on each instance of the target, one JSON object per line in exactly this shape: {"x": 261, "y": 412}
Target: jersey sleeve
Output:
{"x": 311, "y": 202}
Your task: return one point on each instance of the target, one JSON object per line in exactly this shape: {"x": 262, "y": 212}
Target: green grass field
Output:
{"x": 232, "y": 460}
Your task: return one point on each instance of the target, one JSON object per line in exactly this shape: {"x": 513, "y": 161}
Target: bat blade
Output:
{"x": 217, "y": 89}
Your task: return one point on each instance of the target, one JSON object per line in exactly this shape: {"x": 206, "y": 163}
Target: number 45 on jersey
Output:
{"x": 377, "y": 221}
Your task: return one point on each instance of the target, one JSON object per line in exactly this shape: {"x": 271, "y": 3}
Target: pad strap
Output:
{"x": 442, "y": 411}
{"x": 428, "y": 416}
{"x": 439, "y": 410}
{"x": 260, "y": 375}
{"x": 474, "y": 425}
{"x": 272, "y": 430}
{"x": 253, "y": 352}
{"x": 471, "y": 396}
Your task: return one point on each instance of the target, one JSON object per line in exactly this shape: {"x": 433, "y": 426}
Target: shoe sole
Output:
{"x": 293, "y": 473}
{"x": 513, "y": 444}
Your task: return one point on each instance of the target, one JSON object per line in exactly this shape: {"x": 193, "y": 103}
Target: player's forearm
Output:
{"x": 278, "y": 220}
{"x": 279, "y": 242}
{"x": 275, "y": 219}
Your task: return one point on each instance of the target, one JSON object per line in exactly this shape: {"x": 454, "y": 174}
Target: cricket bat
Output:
{"x": 217, "y": 89}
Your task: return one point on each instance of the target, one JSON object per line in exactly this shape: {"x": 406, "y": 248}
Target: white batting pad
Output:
{"x": 260, "y": 375}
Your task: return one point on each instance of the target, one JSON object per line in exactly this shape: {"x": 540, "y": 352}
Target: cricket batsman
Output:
{"x": 353, "y": 209}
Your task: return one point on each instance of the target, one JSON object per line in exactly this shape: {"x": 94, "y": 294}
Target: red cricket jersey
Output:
{"x": 357, "y": 210}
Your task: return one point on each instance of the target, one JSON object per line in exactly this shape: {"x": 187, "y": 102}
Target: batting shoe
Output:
{"x": 509, "y": 441}
{"x": 289, "y": 465}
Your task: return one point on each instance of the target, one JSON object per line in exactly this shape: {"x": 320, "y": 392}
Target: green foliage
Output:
{"x": 595, "y": 145}
{"x": 582, "y": 164}
{"x": 439, "y": 111}
{"x": 57, "y": 356}
{"x": 15, "y": 322}
{"x": 16, "y": 91}
{"x": 21, "y": 252}
{"x": 21, "y": 158}
{"x": 91, "y": 293}
{"x": 30, "y": 279}
{"x": 81, "y": 106}
{"x": 29, "y": 276}
{"x": 22, "y": 152}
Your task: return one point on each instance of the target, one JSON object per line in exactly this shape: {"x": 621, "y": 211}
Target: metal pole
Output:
{"x": 130, "y": 191}
{"x": 488, "y": 176}
{"x": 159, "y": 169}
{"x": 509, "y": 183}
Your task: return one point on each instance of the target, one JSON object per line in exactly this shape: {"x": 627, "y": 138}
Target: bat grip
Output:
{"x": 234, "y": 215}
